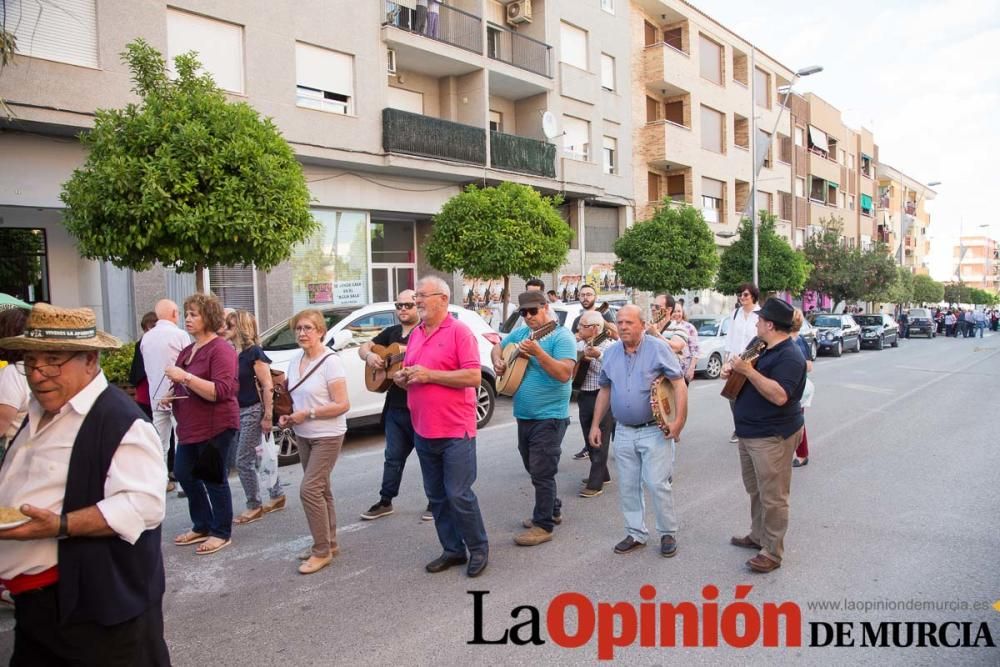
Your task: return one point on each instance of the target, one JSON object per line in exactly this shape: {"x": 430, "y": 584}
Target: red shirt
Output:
{"x": 199, "y": 420}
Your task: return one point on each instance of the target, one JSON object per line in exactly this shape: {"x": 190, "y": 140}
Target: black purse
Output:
{"x": 210, "y": 466}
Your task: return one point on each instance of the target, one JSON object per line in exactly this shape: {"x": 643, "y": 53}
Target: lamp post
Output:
{"x": 758, "y": 163}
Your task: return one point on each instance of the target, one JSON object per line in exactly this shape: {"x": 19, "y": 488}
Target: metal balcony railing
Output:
{"x": 530, "y": 156}
{"x": 450, "y": 25}
{"x": 415, "y": 134}
{"x": 515, "y": 49}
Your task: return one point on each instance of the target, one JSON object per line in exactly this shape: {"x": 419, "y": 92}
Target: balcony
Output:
{"x": 667, "y": 145}
{"x": 518, "y": 50}
{"x": 529, "y": 156}
{"x": 414, "y": 134}
{"x": 453, "y": 26}
{"x": 670, "y": 69}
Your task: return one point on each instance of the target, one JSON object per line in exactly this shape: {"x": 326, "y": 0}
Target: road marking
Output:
{"x": 863, "y": 387}
{"x": 354, "y": 527}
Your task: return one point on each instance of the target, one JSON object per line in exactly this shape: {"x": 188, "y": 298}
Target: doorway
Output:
{"x": 394, "y": 261}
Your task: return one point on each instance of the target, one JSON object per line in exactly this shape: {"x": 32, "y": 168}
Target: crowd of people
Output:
{"x": 965, "y": 323}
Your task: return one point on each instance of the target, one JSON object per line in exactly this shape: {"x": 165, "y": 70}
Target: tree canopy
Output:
{"x": 876, "y": 275}
{"x": 927, "y": 290}
{"x": 833, "y": 271}
{"x": 185, "y": 178}
{"x": 780, "y": 267}
{"x": 672, "y": 251}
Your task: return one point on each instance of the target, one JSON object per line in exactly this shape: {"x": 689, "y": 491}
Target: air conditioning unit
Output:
{"x": 519, "y": 12}
{"x": 391, "y": 67}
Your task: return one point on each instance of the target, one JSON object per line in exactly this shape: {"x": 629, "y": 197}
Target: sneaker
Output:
{"x": 628, "y": 545}
{"x": 427, "y": 515}
{"x": 590, "y": 493}
{"x": 377, "y": 511}
{"x": 581, "y": 455}
{"x": 556, "y": 519}
{"x": 733, "y": 438}
{"x": 532, "y": 537}
{"x": 587, "y": 481}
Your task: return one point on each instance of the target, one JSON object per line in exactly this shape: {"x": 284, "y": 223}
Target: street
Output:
{"x": 899, "y": 502}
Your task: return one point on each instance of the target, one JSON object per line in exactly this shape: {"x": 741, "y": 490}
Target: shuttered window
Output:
{"x": 573, "y": 46}
{"x": 219, "y": 46}
{"x": 64, "y": 31}
{"x": 325, "y": 79}
{"x": 234, "y": 285}
{"x": 711, "y": 129}
{"x": 576, "y": 140}
{"x": 710, "y": 59}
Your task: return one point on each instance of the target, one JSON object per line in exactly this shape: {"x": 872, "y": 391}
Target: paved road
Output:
{"x": 899, "y": 502}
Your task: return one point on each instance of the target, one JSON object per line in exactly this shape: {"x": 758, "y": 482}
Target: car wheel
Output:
{"x": 838, "y": 349}
{"x": 857, "y": 345}
{"x": 895, "y": 340}
{"x": 814, "y": 349}
{"x": 714, "y": 367}
{"x": 881, "y": 343}
{"x": 288, "y": 446}
{"x": 486, "y": 400}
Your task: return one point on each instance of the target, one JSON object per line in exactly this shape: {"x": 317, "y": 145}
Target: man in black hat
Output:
{"x": 769, "y": 427}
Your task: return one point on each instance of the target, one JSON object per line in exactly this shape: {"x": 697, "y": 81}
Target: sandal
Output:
{"x": 275, "y": 505}
{"x": 249, "y": 516}
{"x": 190, "y": 537}
{"x": 210, "y": 547}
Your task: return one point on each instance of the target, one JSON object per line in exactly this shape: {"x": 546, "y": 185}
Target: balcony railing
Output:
{"x": 518, "y": 50}
{"x": 415, "y": 134}
{"x": 451, "y": 25}
{"x": 530, "y": 156}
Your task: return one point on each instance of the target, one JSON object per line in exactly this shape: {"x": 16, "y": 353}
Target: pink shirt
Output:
{"x": 438, "y": 411}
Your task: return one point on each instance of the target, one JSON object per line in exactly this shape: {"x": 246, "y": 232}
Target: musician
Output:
{"x": 744, "y": 327}
{"x": 769, "y": 426}
{"x": 644, "y": 453}
{"x": 395, "y": 413}
{"x": 588, "y": 300}
{"x": 659, "y": 326}
{"x": 541, "y": 407}
{"x": 591, "y": 326}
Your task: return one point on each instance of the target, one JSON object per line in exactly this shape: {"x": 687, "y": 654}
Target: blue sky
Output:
{"x": 923, "y": 75}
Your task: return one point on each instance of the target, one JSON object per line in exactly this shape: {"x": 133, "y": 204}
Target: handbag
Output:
{"x": 210, "y": 466}
{"x": 281, "y": 393}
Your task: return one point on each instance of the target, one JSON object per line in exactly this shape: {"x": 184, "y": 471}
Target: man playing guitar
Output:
{"x": 541, "y": 407}
{"x": 588, "y": 300}
{"x": 591, "y": 327}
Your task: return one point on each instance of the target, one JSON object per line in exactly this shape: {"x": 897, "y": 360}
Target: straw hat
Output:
{"x": 61, "y": 329}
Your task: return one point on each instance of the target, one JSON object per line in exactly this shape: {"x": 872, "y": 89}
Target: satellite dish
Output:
{"x": 550, "y": 128}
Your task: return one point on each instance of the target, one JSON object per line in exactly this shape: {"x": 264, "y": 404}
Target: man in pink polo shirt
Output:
{"x": 441, "y": 374}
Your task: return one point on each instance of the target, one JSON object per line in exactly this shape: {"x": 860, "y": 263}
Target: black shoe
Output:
{"x": 668, "y": 546}
{"x": 628, "y": 544}
{"x": 443, "y": 562}
{"x": 581, "y": 455}
{"x": 477, "y": 563}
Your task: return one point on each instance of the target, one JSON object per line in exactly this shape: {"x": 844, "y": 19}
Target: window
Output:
{"x": 326, "y": 268}
{"x": 65, "y": 33}
{"x": 675, "y": 187}
{"x": 800, "y": 187}
{"x": 652, "y": 109}
{"x": 866, "y": 165}
{"x": 219, "y": 46}
{"x": 235, "y": 286}
{"x": 850, "y": 202}
{"x": 406, "y": 100}
{"x": 818, "y": 141}
{"x": 739, "y": 67}
{"x": 25, "y": 264}
{"x": 784, "y": 148}
{"x": 800, "y": 139}
{"x": 496, "y": 121}
{"x": 785, "y": 201}
{"x": 652, "y": 186}
{"x": 817, "y": 190}
{"x": 576, "y": 140}
{"x": 843, "y": 157}
{"x": 800, "y": 238}
{"x": 325, "y": 79}
{"x": 610, "y": 155}
{"x": 607, "y": 72}
{"x": 831, "y": 194}
{"x": 608, "y": 6}
{"x": 711, "y": 199}
{"x": 850, "y": 160}
{"x": 764, "y": 201}
{"x": 762, "y": 88}
{"x": 573, "y": 46}
{"x": 674, "y": 38}
{"x": 764, "y": 147}
{"x": 866, "y": 204}
{"x": 843, "y": 200}
{"x": 710, "y": 58}
{"x": 741, "y": 131}
{"x": 674, "y": 112}
{"x": 649, "y": 32}
{"x": 711, "y": 129}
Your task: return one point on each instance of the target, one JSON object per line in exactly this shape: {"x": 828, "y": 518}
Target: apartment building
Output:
{"x": 390, "y": 110}
{"x": 977, "y": 262}
{"x": 902, "y": 219}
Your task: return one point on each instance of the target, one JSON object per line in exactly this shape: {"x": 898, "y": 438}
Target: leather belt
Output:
{"x": 651, "y": 422}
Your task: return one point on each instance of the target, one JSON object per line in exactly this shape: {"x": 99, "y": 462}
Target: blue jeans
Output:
{"x": 981, "y": 326}
{"x": 644, "y": 458}
{"x": 210, "y": 505}
{"x": 540, "y": 443}
{"x": 449, "y": 469}
{"x": 398, "y": 445}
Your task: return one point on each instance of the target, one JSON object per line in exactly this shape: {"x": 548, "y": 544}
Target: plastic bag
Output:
{"x": 268, "y": 452}
{"x": 807, "y": 394}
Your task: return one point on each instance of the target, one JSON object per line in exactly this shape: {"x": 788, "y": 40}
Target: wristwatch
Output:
{"x": 63, "y": 527}
{"x": 312, "y": 413}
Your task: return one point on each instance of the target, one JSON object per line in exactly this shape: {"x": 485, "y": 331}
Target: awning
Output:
{"x": 817, "y": 138}
{"x": 866, "y": 201}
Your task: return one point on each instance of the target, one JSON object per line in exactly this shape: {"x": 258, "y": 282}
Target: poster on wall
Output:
{"x": 320, "y": 293}
{"x": 331, "y": 267}
{"x": 349, "y": 292}
{"x": 602, "y": 277}
{"x": 485, "y": 296}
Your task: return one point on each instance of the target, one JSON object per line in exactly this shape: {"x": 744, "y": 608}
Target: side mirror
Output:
{"x": 846, "y": 326}
{"x": 342, "y": 339}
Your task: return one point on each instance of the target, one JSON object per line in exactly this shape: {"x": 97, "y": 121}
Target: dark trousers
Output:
{"x": 210, "y": 504}
{"x": 598, "y": 456}
{"x": 540, "y": 443}
{"x": 41, "y": 641}
{"x": 398, "y": 445}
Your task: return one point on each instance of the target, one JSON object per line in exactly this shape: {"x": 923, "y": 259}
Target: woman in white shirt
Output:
{"x": 319, "y": 393}
{"x": 13, "y": 384}
{"x": 744, "y": 327}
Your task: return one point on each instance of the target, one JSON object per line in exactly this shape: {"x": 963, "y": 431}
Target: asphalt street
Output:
{"x": 898, "y": 505}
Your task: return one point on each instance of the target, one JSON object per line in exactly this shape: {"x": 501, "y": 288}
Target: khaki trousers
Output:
{"x": 318, "y": 456}
{"x": 766, "y": 464}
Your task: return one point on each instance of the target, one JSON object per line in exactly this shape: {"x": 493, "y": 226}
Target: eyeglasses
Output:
{"x": 746, "y": 294}
{"x": 46, "y": 370}
{"x": 404, "y": 306}
{"x": 596, "y": 324}
{"x": 528, "y": 312}
{"x": 421, "y": 295}
{"x": 305, "y": 328}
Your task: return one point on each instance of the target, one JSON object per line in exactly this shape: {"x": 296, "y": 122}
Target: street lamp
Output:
{"x": 759, "y": 162}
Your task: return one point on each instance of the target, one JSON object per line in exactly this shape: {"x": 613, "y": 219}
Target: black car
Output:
{"x": 921, "y": 322}
{"x": 836, "y": 332}
{"x": 877, "y": 330}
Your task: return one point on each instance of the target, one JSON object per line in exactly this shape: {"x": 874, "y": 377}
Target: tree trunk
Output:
{"x": 506, "y": 297}
{"x": 199, "y": 279}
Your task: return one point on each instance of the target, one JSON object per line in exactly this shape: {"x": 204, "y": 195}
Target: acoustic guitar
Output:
{"x": 380, "y": 379}
{"x": 735, "y": 381}
{"x": 517, "y": 364}
{"x": 583, "y": 362}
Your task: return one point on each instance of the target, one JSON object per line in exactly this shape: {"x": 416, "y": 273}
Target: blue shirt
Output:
{"x": 757, "y": 417}
{"x": 631, "y": 375}
{"x": 540, "y": 395}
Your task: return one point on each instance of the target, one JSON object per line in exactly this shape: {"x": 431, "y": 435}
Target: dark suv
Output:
{"x": 921, "y": 322}
{"x": 836, "y": 333}
{"x": 877, "y": 330}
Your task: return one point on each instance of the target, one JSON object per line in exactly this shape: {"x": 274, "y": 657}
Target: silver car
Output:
{"x": 712, "y": 331}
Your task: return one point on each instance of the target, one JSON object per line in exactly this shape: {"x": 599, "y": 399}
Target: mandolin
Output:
{"x": 380, "y": 379}
{"x": 517, "y": 364}
{"x": 735, "y": 381}
{"x": 583, "y": 362}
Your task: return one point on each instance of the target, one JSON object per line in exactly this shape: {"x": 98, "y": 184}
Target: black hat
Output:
{"x": 777, "y": 311}
{"x": 531, "y": 299}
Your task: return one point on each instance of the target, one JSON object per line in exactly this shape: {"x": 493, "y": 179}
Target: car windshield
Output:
{"x": 868, "y": 320}
{"x": 283, "y": 338}
{"x": 826, "y": 321}
{"x": 706, "y": 327}
{"x": 919, "y": 312}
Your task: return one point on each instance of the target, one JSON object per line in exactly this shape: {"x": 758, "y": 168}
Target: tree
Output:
{"x": 672, "y": 251}
{"x": 900, "y": 290}
{"x": 927, "y": 290}
{"x": 875, "y": 274}
{"x": 185, "y": 178}
{"x": 499, "y": 231}
{"x": 780, "y": 268}
{"x": 8, "y": 46}
{"x": 833, "y": 271}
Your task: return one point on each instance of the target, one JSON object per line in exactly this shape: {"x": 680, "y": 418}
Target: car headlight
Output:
{"x": 829, "y": 335}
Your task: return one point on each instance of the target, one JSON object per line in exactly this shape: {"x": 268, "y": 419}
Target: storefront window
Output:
{"x": 24, "y": 270}
{"x": 331, "y": 268}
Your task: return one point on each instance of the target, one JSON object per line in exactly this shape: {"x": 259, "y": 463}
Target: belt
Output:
{"x": 651, "y": 422}
{"x": 24, "y": 583}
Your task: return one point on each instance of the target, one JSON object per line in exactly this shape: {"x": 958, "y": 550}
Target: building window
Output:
{"x": 331, "y": 267}
{"x": 675, "y": 187}
{"x": 818, "y": 142}
{"x": 741, "y": 131}
{"x": 496, "y": 121}
{"x": 65, "y": 32}
{"x": 866, "y": 204}
{"x": 712, "y": 199}
{"x": 710, "y": 58}
{"x": 674, "y": 38}
{"x": 325, "y": 79}
{"x": 608, "y": 6}
{"x": 235, "y": 286}
{"x": 405, "y": 100}
{"x": 764, "y": 201}
{"x": 610, "y": 155}
{"x": 576, "y": 140}
{"x": 219, "y": 46}
{"x": 850, "y": 160}
{"x": 800, "y": 187}
{"x": 784, "y": 148}
{"x": 850, "y": 202}
{"x": 674, "y": 112}
{"x": 800, "y": 139}
{"x": 573, "y": 46}
{"x": 831, "y": 194}
{"x": 652, "y": 186}
{"x": 866, "y": 165}
{"x": 711, "y": 129}
{"x": 817, "y": 190}
{"x": 764, "y": 140}
{"x": 607, "y": 72}
{"x": 785, "y": 202}
{"x": 649, "y": 33}
{"x": 24, "y": 264}
{"x": 762, "y": 88}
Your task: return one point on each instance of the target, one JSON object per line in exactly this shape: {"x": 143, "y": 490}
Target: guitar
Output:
{"x": 517, "y": 364}
{"x": 380, "y": 379}
{"x": 583, "y": 362}
{"x": 735, "y": 381}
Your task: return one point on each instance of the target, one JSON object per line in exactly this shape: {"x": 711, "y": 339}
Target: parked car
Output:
{"x": 922, "y": 322}
{"x": 836, "y": 332}
{"x": 712, "y": 331}
{"x": 878, "y": 329}
{"x": 566, "y": 313}
{"x": 808, "y": 333}
{"x": 347, "y": 329}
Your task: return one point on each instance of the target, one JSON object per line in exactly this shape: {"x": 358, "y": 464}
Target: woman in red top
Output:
{"x": 208, "y": 417}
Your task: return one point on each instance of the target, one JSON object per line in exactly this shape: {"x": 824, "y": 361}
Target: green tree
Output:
{"x": 876, "y": 274}
{"x": 185, "y": 178}
{"x": 927, "y": 290}
{"x": 499, "y": 231}
{"x": 8, "y": 46}
{"x": 672, "y": 251}
{"x": 833, "y": 269}
{"x": 900, "y": 290}
{"x": 780, "y": 268}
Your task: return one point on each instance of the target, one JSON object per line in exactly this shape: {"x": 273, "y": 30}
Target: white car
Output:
{"x": 347, "y": 329}
{"x": 566, "y": 313}
{"x": 712, "y": 331}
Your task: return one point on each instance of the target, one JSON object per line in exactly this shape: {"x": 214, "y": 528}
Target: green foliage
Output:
{"x": 185, "y": 178}
{"x": 672, "y": 251}
{"x": 900, "y": 290}
{"x": 956, "y": 293}
{"x": 833, "y": 271}
{"x": 8, "y": 47}
{"x": 876, "y": 274}
{"x": 117, "y": 363}
{"x": 927, "y": 290}
{"x": 780, "y": 267}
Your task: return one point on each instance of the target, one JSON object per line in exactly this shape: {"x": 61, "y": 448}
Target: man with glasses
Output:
{"x": 743, "y": 329}
{"x": 395, "y": 413}
{"x": 441, "y": 376}
{"x": 86, "y": 471}
{"x": 588, "y": 301}
{"x": 541, "y": 407}
{"x": 591, "y": 325}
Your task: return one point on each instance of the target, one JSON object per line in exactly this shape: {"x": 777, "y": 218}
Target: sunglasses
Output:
{"x": 525, "y": 312}
{"x": 746, "y": 294}
{"x": 405, "y": 306}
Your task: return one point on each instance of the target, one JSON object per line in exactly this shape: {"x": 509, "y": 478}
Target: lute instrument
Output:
{"x": 380, "y": 379}
{"x": 517, "y": 363}
{"x": 583, "y": 361}
{"x": 735, "y": 381}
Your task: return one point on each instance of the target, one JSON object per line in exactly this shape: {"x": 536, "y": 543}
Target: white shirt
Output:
{"x": 315, "y": 393}
{"x": 742, "y": 331}
{"x": 160, "y": 347}
{"x": 13, "y": 392}
{"x": 37, "y": 464}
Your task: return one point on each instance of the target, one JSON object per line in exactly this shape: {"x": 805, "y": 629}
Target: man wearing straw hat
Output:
{"x": 86, "y": 472}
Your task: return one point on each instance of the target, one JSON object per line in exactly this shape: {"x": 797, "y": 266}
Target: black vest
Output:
{"x": 105, "y": 580}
